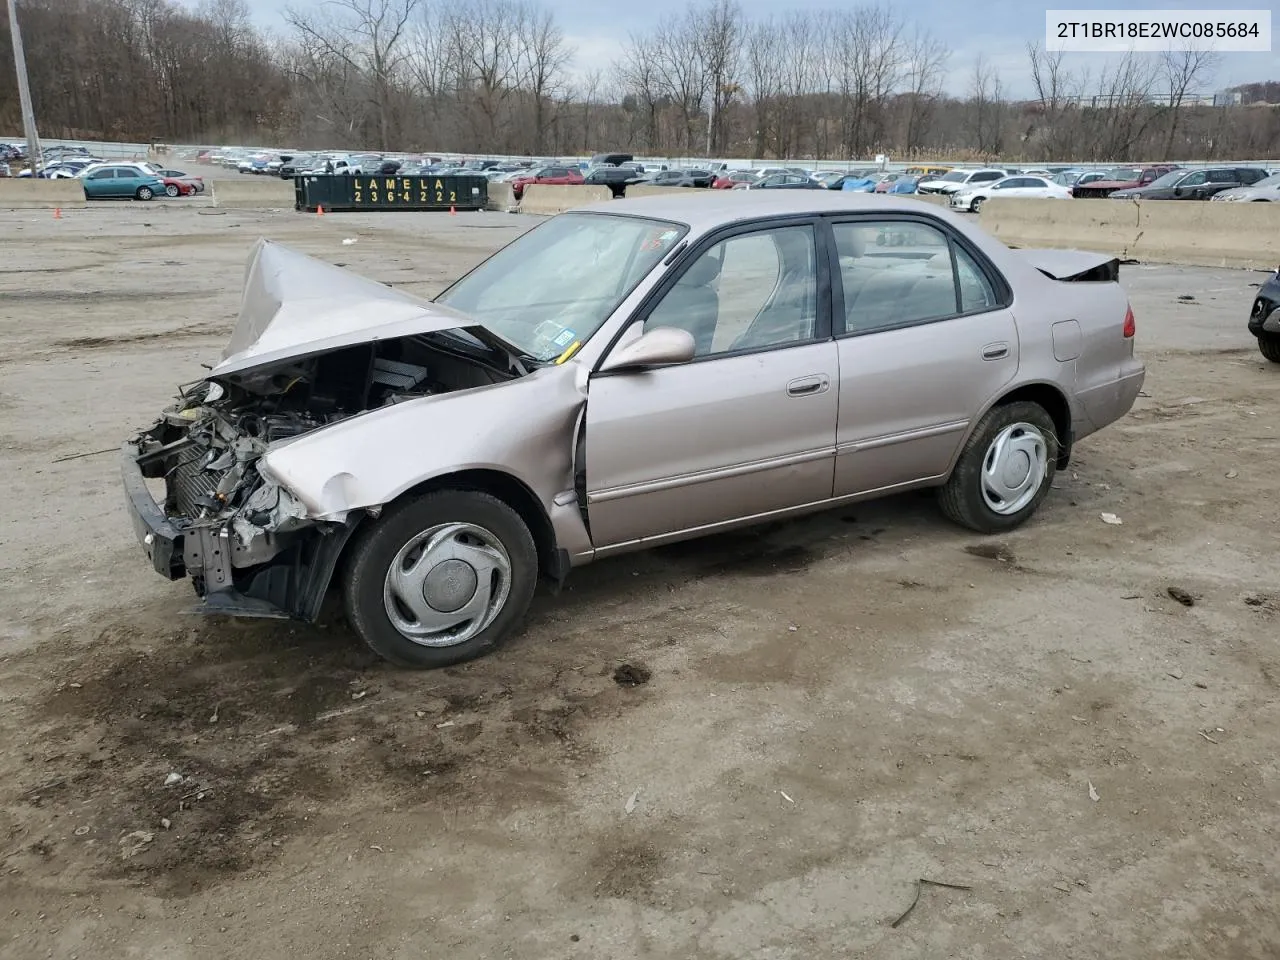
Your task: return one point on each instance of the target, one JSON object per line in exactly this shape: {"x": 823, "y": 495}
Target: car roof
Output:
{"x": 706, "y": 210}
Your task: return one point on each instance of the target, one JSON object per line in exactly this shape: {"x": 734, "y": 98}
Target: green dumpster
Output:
{"x": 371, "y": 192}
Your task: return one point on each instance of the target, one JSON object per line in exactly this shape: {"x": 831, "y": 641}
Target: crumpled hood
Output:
{"x": 295, "y": 305}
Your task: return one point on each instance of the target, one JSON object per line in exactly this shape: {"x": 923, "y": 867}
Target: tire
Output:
{"x": 171, "y": 191}
{"x": 449, "y": 516}
{"x": 1269, "y": 344}
{"x": 144, "y": 193}
{"x": 963, "y": 498}
{"x": 976, "y": 205}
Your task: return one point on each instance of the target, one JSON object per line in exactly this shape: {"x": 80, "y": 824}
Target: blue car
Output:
{"x": 904, "y": 185}
{"x": 125, "y": 181}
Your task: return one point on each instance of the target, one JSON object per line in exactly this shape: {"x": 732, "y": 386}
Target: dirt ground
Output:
{"x": 749, "y": 746}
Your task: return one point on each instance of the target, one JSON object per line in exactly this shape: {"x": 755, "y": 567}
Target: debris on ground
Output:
{"x": 172, "y": 778}
{"x": 920, "y": 885}
{"x": 1093, "y": 794}
{"x": 785, "y": 796}
{"x": 1112, "y": 519}
{"x": 631, "y": 675}
{"x": 348, "y": 241}
{"x": 1184, "y": 598}
{"x": 132, "y": 844}
{"x": 632, "y": 800}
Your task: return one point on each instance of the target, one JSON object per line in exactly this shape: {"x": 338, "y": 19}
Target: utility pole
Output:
{"x": 24, "y": 92}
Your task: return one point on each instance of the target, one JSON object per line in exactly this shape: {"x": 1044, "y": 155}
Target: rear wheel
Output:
{"x": 441, "y": 578}
{"x": 1004, "y": 471}
{"x": 1269, "y": 344}
{"x": 144, "y": 193}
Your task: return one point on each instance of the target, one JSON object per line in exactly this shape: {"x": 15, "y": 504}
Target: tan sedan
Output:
{"x": 625, "y": 375}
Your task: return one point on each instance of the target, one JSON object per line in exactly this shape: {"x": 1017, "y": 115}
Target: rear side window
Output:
{"x": 1222, "y": 176}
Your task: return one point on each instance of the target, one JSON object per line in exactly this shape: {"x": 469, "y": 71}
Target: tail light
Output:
{"x": 1130, "y": 325}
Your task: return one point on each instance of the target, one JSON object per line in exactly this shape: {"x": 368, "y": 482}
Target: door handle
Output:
{"x": 808, "y": 386}
{"x": 995, "y": 351}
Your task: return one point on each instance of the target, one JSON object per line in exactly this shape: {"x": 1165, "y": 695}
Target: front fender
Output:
{"x": 522, "y": 427}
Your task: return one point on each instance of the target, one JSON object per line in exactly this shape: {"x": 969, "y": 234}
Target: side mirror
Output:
{"x": 662, "y": 346}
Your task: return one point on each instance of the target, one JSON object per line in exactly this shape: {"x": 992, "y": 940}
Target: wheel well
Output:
{"x": 514, "y": 494}
{"x": 1055, "y": 404}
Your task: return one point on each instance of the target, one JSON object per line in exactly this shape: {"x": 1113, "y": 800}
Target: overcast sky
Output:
{"x": 998, "y": 28}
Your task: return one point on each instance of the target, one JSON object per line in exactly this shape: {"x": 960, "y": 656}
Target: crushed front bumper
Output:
{"x": 289, "y": 583}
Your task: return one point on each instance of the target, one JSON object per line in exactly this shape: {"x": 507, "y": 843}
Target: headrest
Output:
{"x": 849, "y": 242}
{"x": 703, "y": 271}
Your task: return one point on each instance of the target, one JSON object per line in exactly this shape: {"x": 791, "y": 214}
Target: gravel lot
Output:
{"x": 836, "y": 707}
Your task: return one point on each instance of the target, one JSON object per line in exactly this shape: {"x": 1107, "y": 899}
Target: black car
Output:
{"x": 682, "y": 178}
{"x": 290, "y": 167}
{"x": 1193, "y": 184}
{"x": 788, "y": 181}
{"x": 615, "y": 178}
{"x": 1264, "y": 319}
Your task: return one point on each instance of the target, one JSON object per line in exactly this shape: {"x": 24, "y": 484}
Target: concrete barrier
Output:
{"x": 553, "y": 198}
{"x": 30, "y": 194}
{"x": 502, "y": 198}
{"x": 941, "y": 199}
{"x": 644, "y": 190}
{"x": 248, "y": 193}
{"x": 1192, "y": 232}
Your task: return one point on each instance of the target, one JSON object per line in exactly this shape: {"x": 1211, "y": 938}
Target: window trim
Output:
{"x": 823, "y": 323}
{"x": 999, "y": 285}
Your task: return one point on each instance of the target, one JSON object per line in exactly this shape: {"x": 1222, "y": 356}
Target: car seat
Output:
{"x": 692, "y": 304}
{"x": 792, "y": 310}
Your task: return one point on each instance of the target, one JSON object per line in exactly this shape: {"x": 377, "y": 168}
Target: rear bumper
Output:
{"x": 1107, "y": 403}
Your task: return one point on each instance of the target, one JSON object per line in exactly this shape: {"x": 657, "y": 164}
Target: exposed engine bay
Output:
{"x": 243, "y": 532}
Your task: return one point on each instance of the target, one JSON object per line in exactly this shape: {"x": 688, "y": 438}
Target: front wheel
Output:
{"x": 1004, "y": 471}
{"x": 976, "y": 205}
{"x": 171, "y": 191}
{"x": 441, "y": 579}
{"x": 1269, "y": 344}
{"x": 144, "y": 193}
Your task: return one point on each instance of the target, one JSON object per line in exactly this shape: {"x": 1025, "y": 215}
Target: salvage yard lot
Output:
{"x": 835, "y": 707}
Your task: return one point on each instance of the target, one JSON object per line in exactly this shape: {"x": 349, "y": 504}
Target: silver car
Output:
{"x": 625, "y": 375}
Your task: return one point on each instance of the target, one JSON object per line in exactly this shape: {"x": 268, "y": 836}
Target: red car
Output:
{"x": 727, "y": 181}
{"x": 1123, "y": 178}
{"x": 179, "y": 184}
{"x": 552, "y": 173}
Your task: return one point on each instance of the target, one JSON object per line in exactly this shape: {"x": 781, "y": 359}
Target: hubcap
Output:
{"x": 1014, "y": 467}
{"x": 447, "y": 584}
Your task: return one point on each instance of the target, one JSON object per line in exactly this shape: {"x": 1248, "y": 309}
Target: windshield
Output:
{"x": 1271, "y": 181}
{"x": 1125, "y": 174}
{"x": 1168, "y": 180}
{"x": 955, "y": 176}
{"x": 555, "y": 286}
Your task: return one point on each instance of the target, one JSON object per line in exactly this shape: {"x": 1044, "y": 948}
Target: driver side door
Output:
{"x": 745, "y": 429}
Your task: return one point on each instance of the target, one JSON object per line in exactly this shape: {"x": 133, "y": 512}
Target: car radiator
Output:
{"x": 189, "y": 484}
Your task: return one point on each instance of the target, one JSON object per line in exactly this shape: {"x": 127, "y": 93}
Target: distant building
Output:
{"x": 1228, "y": 98}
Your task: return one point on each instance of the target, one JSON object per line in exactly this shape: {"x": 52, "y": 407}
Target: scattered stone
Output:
{"x": 172, "y": 778}
{"x": 1184, "y": 598}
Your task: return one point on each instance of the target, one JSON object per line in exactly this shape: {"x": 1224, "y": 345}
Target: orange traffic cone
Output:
{"x": 452, "y": 211}
{"x": 57, "y": 213}
{"x": 319, "y": 211}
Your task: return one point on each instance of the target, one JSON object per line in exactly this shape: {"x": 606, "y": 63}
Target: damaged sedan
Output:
{"x": 625, "y": 375}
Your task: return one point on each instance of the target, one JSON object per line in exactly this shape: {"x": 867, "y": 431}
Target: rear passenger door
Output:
{"x": 925, "y": 341}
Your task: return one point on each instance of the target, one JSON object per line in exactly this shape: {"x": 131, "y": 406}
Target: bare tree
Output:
{"x": 1125, "y": 89}
{"x": 925, "y": 61}
{"x": 763, "y": 82}
{"x": 542, "y": 67}
{"x": 1057, "y": 92}
{"x": 721, "y": 31}
{"x": 1181, "y": 70}
{"x": 366, "y": 35}
{"x": 985, "y": 98}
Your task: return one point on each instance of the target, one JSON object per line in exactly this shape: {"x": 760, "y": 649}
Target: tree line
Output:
{"x": 498, "y": 76}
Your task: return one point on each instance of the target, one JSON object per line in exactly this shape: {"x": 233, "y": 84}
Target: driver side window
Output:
{"x": 749, "y": 291}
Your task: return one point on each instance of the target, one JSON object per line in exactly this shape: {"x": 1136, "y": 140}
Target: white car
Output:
{"x": 1264, "y": 190}
{"x": 959, "y": 179}
{"x": 971, "y": 198}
